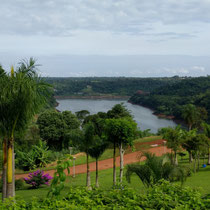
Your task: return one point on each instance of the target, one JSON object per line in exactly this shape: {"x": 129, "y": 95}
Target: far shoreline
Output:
{"x": 92, "y": 97}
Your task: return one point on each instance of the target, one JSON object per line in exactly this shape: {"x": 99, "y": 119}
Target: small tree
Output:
{"x": 84, "y": 140}
{"x": 206, "y": 129}
{"x": 117, "y": 111}
{"x": 99, "y": 143}
{"x": 188, "y": 142}
{"x": 156, "y": 168}
{"x": 120, "y": 132}
{"x": 54, "y": 127}
{"x": 96, "y": 151}
{"x": 174, "y": 139}
{"x": 193, "y": 116}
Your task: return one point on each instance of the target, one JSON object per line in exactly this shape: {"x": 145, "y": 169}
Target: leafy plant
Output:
{"x": 38, "y": 178}
{"x": 38, "y": 156}
{"x": 155, "y": 169}
{"x": 59, "y": 178}
{"x": 164, "y": 195}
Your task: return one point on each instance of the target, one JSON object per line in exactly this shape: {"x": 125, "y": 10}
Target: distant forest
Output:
{"x": 116, "y": 86}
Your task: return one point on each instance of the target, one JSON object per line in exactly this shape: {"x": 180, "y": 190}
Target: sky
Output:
{"x": 133, "y": 38}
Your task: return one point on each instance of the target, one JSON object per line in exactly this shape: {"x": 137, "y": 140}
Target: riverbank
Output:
{"x": 93, "y": 97}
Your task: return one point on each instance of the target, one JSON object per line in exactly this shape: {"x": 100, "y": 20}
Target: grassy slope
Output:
{"x": 106, "y": 155}
{"x": 200, "y": 180}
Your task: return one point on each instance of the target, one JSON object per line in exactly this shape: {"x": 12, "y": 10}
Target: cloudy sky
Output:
{"x": 137, "y": 38}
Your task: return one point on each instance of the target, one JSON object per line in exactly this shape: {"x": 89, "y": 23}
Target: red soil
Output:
{"x": 108, "y": 163}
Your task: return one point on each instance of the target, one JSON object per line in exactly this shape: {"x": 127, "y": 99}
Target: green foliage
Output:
{"x": 174, "y": 138}
{"x": 37, "y": 156}
{"x": 23, "y": 94}
{"x": 59, "y": 178}
{"x": 171, "y": 98}
{"x": 163, "y": 195}
{"x": 19, "y": 184}
{"x": 144, "y": 133}
{"x": 121, "y": 130}
{"x": 106, "y": 86}
{"x": 157, "y": 168}
{"x": 54, "y": 128}
{"x": 118, "y": 111}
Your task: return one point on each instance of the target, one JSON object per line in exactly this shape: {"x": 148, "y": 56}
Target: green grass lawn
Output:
{"x": 200, "y": 180}
{"x": 105, "y": 182}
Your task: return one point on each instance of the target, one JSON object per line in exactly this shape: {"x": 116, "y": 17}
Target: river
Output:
{"x": 143, "y": 116}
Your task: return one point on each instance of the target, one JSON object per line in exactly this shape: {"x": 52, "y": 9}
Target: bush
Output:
{"x": 19, "y": 184}
{"x": 38, "y": 178}
{"x": 38, "y": 156}
{"x": 163, "y": 195}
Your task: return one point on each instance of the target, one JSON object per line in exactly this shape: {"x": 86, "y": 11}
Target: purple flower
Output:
{"x": 38, "y": 178}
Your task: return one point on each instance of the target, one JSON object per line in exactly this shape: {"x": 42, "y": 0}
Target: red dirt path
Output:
{"x": 108, "y": 163}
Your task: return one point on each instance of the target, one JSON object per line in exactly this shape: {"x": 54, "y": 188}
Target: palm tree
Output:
{"x": 84, "y": 140}
{"x": 22, "y": 95}
{"x": 190, "y": 115}
{"x": 187, "y": 144}
{"x": 4, "y": 142}
{"x": 174, "y": 139}
{"x": 96, "y": 151}
{"x": 206, "y": 129}
{"x": 156, "y": 168}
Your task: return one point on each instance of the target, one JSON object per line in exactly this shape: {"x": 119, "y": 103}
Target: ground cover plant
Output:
{"x": 163, "y": 195}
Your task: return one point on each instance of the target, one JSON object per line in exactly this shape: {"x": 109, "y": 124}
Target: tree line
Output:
{"x": 121, "y": 86}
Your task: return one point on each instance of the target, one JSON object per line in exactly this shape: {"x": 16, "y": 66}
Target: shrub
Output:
{"x": 38, "y": 178}
{"x": 19, "y": 184}
{"x": 164, "y": 195}
{"x": 38, "y": 156}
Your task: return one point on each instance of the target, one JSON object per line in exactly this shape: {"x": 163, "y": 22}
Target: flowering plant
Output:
{"x": 37, "y": 179}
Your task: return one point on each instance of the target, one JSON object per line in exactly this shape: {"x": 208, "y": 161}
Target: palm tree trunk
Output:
{"x": 121, "y": 161}
{"x": 190, "y": 157}
{"x": 10, "y": 171}
{"x": 4, "y": 170}
{"x": 88, "y": 183}
{"x": 195, "y": 163}
{"x": 198, "y": 166}
{"x": 175, "y": 158}
{"x": 114, "y": 165}
{"x": 97, "y": 184}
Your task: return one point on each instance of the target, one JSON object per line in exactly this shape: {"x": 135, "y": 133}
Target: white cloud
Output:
{"x": 60, "y": 17}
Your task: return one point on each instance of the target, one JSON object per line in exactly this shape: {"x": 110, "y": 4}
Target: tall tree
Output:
{"x": 120, "y": 132}
{"x": 174, "y": 139}
{"x": 206, "y": 129}
{"x": 188, "y": 142}
{"x": 54, "y": 127}
{"x": 117, "y": 111}
{"x": 96, "y": 151}
{"x": 99, "y": 143}
{"x": 23, "y": 93}
{"x": 4, "y": 142}
{"x": 84, "y": 140}
{"x": 191, "y": 115}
